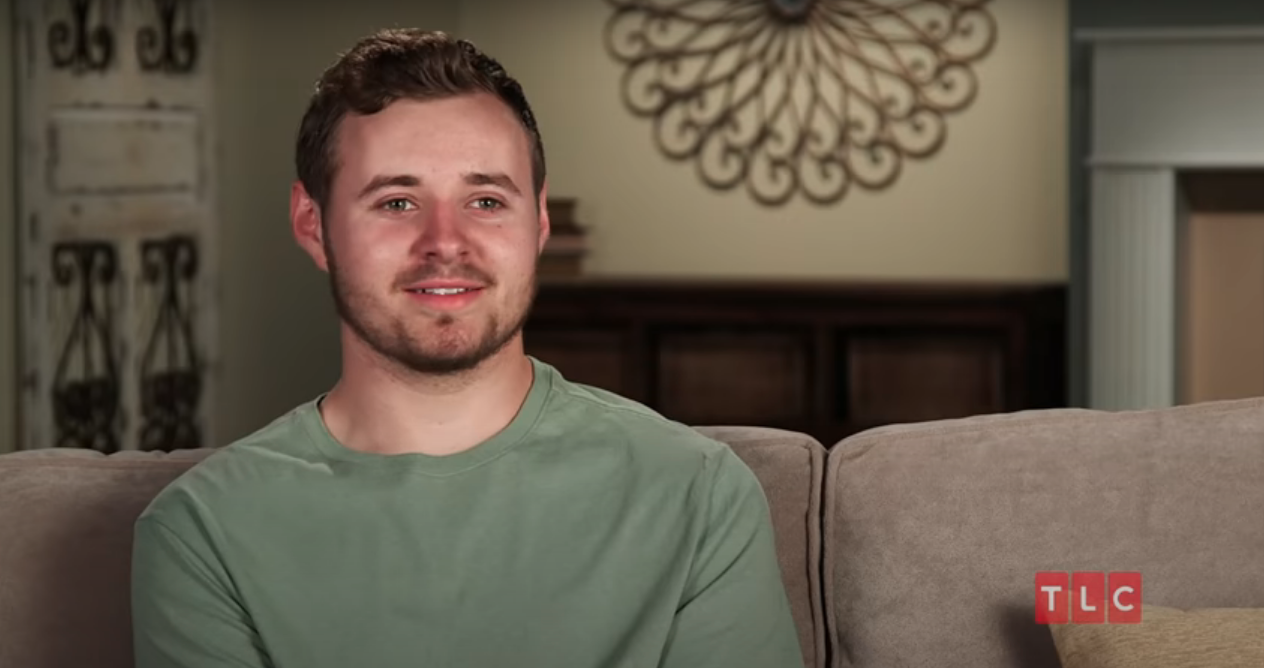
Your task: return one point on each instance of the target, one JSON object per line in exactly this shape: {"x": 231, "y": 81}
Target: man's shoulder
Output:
{"x": 234, "y": 473}
{"x": 662, "y": 452}
{"x": 613, "y": 420}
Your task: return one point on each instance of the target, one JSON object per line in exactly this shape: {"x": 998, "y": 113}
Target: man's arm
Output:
{"x": 735, "y": 612}
{"x": 184, "y": 614}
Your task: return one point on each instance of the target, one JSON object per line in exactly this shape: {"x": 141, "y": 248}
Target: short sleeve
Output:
{"x": 184, "y": 612}
{"x": 735, "y": 612}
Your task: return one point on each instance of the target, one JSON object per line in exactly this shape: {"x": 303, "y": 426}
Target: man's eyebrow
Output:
{"x": 498, "y": 179}
{"x": 387, "y": 181}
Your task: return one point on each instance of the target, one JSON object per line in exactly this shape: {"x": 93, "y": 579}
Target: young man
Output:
{"x": 451, "y": 501}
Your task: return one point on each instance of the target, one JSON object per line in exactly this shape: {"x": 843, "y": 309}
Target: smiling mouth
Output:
{"x": 441, "y": 291}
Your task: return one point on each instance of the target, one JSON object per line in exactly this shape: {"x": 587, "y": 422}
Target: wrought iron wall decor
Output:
{"x": 171, "y": 375}
{"x": 85, "y": 390}
{"x": 84, "y": 41}
{"x": 172, "y": 45}
{"x": 807, "y": 96}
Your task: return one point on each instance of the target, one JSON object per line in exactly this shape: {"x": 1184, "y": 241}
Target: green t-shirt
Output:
{"x": 589, "y": 533}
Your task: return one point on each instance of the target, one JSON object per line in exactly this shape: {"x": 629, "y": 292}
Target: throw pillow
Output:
{"x": 1167, "y": 638}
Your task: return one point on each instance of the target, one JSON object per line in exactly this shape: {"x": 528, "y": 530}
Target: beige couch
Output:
{"x": 912, "y": 545}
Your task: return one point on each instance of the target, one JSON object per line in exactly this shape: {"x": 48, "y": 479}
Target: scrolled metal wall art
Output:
{"x": 171, "y": 373}
{"x": 85, "y": 40}
{"x": 86, "y": 388}
{"x": 807, "y": 96}
{"x": 167, "y": 46}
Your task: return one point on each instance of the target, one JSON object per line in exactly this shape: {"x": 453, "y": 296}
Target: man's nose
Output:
{"x": 441, "y": 234}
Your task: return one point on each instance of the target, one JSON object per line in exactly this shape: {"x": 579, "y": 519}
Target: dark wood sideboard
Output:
{"x": 829, "y": 360}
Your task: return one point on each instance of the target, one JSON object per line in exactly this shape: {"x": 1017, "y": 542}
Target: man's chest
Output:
{"x": 482, "y": 583}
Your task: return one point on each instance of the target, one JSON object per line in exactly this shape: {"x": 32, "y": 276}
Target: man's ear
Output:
{"x": 305, "y": 223}
{"x": 545, "y": 225}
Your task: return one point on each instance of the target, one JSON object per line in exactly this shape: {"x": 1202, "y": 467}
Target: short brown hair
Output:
{"x": 401, "y": 64}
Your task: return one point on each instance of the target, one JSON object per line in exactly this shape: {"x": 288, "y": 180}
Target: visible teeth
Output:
{"x": 443, "y": 291}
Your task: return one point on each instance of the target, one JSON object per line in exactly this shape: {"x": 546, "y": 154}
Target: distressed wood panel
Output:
{"x": 117, "y": 223}
{"x": 113, "y": 151}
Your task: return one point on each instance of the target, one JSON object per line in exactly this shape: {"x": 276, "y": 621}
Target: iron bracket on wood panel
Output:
{"x": 164, "y": 47}
{"x": 77, "y": 44}
{"x": 170, "y": 371}
{"x": 85, "y": 389}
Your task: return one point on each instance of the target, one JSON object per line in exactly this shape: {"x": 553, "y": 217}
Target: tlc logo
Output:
{"x": 1088, "y": 598}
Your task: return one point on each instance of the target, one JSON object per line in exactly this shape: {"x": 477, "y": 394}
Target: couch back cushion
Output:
{"x": 65, "y": 552}
{"x": 934, "y": 533}
{"x": 66, "y": 529}
{"x": 791, "y": 468}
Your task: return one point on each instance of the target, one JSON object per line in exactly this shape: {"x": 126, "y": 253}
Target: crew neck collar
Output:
{"x": 543, "y": 379}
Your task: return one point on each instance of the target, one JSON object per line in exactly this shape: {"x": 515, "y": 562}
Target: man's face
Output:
{"x": 432, "y": 231}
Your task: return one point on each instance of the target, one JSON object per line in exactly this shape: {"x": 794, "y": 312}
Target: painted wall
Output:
{"x": 990, "y": 206}
{"x": 8, "y": 237}
{"x": 1096, "y": 14}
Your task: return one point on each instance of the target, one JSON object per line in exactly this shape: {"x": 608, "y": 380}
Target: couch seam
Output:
{"x": 840, "y": 655}
{"x": 820, "y": 651}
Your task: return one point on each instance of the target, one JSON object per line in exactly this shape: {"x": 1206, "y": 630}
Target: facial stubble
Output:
{"x": 395, "y": 339}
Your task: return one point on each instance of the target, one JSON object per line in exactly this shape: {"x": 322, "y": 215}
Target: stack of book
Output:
{"x": 564, "y": 253}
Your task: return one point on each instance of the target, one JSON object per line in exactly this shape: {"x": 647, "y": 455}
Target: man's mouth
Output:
{"x": 441, "y": 291}
{"x": 445, "y": 297}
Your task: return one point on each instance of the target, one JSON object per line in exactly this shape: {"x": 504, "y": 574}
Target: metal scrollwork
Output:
{"x": 171, "y": 378}
{"x": 78, "y": 45}
{"x": 808, "y": 96}
{"x": 165, "y": 47}
{"x": 85, "y": 392}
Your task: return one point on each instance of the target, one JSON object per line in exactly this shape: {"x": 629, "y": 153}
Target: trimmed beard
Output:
{"x": 394, "y": 342}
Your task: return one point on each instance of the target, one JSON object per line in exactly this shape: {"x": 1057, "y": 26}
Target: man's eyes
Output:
{"x": 400, "y": 204}
{"x": 397, "y": 204}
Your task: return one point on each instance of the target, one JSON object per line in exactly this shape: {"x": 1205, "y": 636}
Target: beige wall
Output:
{"x": 279, "y": 334}
{"x": 991, "y": 206}
{"x": 8, "y": 238}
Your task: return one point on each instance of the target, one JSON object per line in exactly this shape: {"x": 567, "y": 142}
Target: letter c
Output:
{"x": 1119, "y": 605}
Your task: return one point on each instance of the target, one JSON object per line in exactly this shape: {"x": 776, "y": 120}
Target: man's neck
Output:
{"x": 375, "y": 408}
